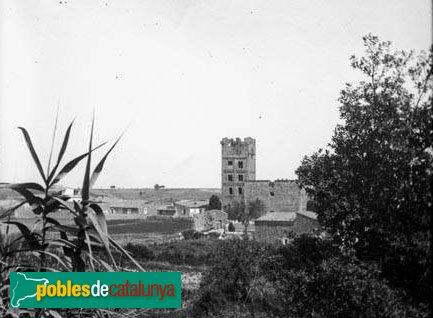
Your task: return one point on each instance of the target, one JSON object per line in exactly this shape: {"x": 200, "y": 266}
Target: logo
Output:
{"x": 95, "y": 290}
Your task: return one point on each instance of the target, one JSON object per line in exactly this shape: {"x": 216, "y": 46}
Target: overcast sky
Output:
{"x": 180, "y": 75}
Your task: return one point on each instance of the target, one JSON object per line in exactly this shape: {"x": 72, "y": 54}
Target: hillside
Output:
{"x": 162, "y": 196}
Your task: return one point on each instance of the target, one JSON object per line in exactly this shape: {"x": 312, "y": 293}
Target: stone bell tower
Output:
{"x": 238, "y": 165}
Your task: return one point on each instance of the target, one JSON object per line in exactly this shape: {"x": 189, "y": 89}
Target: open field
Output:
{"x": 142, "y": 226}
{"x": 147, "y": 231}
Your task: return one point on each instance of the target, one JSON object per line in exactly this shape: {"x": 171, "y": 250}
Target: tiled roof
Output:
{"x": 283, "y": 217}
{"x": 308, "y": 214}
{"x": 274, "y": 181}
{"x": 278, "y": 216}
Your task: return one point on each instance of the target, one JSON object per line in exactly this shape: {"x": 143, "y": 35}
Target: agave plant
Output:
{"x": 71, "y": 248}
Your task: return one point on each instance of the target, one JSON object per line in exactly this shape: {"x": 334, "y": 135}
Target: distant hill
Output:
{"x": 8, "y": 194}
{"x": 162, "y": 196}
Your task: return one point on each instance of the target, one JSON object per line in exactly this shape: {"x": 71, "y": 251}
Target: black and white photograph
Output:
{"x": 216, "y": 158}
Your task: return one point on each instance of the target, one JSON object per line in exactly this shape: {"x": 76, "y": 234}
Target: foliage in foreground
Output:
{"x": 372, "y": 187}
{"x": 309, "y": 278}
{"x": 196, "y": 252}
{"x": 50, "y": 245}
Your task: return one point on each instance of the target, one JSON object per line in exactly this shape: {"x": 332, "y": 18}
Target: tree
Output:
{"x": 372, "y": 185}
{"x": 158, "y": 187}
{"x": 231, "y": 227}
{"x": 245, "y": 214}
{"x": 214, "y": 203}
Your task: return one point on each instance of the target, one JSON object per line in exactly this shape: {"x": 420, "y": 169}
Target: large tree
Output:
{"x": 246, "y": 213}
{"x": 214, "y": 203}
{"x": 372, "y": 184}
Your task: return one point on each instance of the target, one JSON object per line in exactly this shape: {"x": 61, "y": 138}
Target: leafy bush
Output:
{"x": 341, "y": 288}
{"x": 192, "y": 235}
{"x": 231, "y": 227}
{"x": 234, "y": 276}
{"x": 214, "y": 203}
{"x": 305, "y": 253}
{"x": 307, "y": 278}
{"x": 186, "y": 252}
{"x": 213, "y": 235}
{"x": 140, "y": 251}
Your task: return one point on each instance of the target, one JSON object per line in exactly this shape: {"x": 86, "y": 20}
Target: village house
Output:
{"x": 167, "y": 210}
{"x": 282, "y": 226}
{"x": 186, "y": 208}
{"x": 74, "y": 194}
{"x": 128, "y": 207}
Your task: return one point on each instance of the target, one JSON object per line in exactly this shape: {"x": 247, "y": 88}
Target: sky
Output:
{"x": 178, "y": 76}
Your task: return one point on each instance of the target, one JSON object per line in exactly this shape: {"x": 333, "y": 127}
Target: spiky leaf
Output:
{"x": 86, "y": 182}
{"x": 28, "y": 186}
{"x": 33, "y": 152}
{"x": 62, "y": 151}
{"x": 71, "y": 165}
{"x": 100, "y": 165}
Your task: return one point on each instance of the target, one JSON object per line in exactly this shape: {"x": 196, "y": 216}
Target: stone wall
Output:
{"x": 277, "y": 196}
{"x": 185, "y": 211}
{"x": 276, "y": 231}
{"x": 271, "y": 233}
{"x": 212, "y": 219}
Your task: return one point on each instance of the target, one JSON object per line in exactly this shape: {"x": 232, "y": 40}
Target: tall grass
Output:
{"x": 51, "y": 245}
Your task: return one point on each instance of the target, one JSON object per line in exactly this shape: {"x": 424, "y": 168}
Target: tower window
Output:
{"x": 230, "y": 190}
{"x": 241, "y": 177}
{"x": 230, "y": 163}
{"x": 230, "y": 177}
{"x": 240, "y": 191}
{"x": 240, "y": 164}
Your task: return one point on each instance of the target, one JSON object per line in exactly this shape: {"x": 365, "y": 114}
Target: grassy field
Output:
{"x": 142, "y": 226}
{"x": 147, "y": 231}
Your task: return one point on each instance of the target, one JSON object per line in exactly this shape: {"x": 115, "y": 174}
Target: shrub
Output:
{"x": 307, "y": 278}
{"x": 341, "y": 288}
{"x": 305, "y": 252}
{"x": 140, "y": 251}
{"x": 213, "y": 235}
{"x": 231, "y": 227}
{"x": 197, "y": 235}
{"x": 234, "y": 276}
{"x": 192, "y": 234}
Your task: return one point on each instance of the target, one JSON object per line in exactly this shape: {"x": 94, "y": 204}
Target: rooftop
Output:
{"x": 278, "y": 180}
{"x": 283, "y": 217}
{"x": 308, "y": 214}
{"x": 278, "y": 216}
